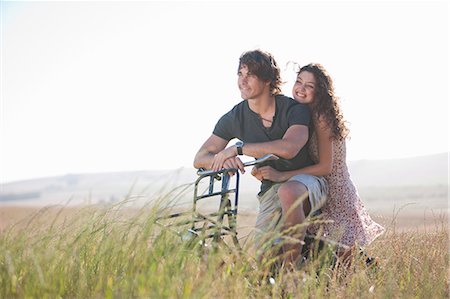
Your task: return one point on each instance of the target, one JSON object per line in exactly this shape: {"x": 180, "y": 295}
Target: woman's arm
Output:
{"x": 323, "y": 167}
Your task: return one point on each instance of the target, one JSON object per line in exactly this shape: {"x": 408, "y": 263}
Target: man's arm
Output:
{"x": 288, "y": 147}
{"x": 205, "y": 155}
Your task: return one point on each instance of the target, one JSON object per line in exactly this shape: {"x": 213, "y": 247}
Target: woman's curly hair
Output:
{"x": 326, "y": 103}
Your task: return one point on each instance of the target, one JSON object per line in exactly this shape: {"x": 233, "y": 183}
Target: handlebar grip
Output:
{"x": 268, "y": 157}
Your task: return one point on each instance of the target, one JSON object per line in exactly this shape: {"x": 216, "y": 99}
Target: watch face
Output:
{"x": 239, "y": 146}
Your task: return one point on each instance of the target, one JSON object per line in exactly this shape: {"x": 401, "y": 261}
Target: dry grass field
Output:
{"x": 117, "y": 252}
{"x": 396, "y": 220}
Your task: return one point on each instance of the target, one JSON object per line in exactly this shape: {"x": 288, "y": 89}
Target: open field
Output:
{"x": 117, "y": 252}
{"x": 400, "y": 220}
{"x": 94, "y": 236}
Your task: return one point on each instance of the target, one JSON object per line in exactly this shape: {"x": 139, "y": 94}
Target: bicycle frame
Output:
{"x": 211, "y": 226}
{"x": 228, "y": 207}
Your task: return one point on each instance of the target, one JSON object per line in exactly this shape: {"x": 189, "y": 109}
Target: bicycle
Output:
{"x": 219, "y": 227}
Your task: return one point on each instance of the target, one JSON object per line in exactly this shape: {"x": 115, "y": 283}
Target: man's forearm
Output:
{"x": 205, "y": 156}
{"x": 288, "y": 147}
{"x": 281, "y": 148}
{"x": 203, "y": 159}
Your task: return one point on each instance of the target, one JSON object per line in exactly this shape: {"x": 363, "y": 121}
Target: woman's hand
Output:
{"x": 269, "y": 173}
{"x": 257, "y": 174}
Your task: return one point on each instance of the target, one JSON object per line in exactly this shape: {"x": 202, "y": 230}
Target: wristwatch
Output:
{"x": 239, "y": 146}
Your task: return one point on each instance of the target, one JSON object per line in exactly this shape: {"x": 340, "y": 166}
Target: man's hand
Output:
{"x": 227, "y": 158}
{"x": 234, "y": 163}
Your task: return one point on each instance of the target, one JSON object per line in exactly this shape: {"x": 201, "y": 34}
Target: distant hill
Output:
{"x": 424, "y": 170}
{"x": 94, "y": 187}
{"x": 372, "y": 177}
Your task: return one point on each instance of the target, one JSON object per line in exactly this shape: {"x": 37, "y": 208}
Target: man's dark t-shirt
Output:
{"x": 243, "y": 123}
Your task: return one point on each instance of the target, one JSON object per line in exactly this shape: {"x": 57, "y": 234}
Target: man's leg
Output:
{"x": 295, "y": 207}
{"x": 267, "y": 222}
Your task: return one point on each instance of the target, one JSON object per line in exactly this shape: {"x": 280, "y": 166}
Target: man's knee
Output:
{"x": 291, "y": 191}
{"x": 294, "y": 193}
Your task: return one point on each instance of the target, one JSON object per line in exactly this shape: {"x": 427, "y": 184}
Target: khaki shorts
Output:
{"x": 268, "y": 220}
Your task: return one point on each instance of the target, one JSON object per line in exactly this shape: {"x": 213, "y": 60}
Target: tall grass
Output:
{"x": 118, "y": 252}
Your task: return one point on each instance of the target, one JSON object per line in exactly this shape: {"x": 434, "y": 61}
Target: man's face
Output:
{"x": 250, "y": 85}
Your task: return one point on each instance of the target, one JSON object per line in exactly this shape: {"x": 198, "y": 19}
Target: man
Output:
{"x": 267, "y": 123}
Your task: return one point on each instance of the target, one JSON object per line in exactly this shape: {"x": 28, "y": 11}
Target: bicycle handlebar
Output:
{"x": 268, "y": 157}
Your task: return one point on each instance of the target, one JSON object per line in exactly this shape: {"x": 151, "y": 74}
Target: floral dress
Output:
{"x": 346, "y": 218}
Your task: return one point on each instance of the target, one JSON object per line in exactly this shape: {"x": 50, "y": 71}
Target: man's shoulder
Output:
{"x": 292, "y": 112}
{"x": 237, "y": 109}
{"x": 229, "y": 124}
{"x": 287, "y": 103}
{"x": 234, "y": 114}
{"x": 281, "y": 98}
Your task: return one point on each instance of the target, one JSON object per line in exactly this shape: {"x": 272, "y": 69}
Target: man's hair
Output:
{"x": 263, "y": 65}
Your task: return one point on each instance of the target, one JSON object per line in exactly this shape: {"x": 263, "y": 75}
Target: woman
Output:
{"x": 351, "y": 224}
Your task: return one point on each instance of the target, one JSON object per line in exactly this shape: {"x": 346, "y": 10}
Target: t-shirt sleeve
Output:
{"x": 224, "y": 127}
{"x": 299, "y": 115}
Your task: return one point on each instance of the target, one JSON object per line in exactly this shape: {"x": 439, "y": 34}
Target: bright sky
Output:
{"x": 118, "y": 86}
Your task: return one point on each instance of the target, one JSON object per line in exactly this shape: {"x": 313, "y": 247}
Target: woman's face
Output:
{"x": 304, "y": 88}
